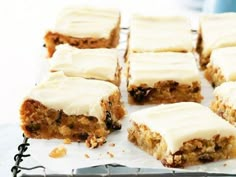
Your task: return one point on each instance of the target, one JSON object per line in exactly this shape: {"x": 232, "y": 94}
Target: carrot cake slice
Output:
{"x": 164, "y": 77}
{"x": 183, "y": 134}
{"x": 159, "y": 34}
{"x": 72, "y": 108}
{"x": 101, "y": 64}
{"x": 221, "y": 67}
{"x": 85, "y": 27}
{"x": 215, "y": 31}
{"x": 224, "y": 103}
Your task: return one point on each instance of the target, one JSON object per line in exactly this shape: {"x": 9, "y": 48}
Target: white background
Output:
{"x": 22, "y": 26}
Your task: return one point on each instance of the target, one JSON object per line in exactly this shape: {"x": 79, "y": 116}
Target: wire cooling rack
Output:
{"x": 109, "y": 170}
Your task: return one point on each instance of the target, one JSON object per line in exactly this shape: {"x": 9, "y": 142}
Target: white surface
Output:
{"x": 23, "y": 24}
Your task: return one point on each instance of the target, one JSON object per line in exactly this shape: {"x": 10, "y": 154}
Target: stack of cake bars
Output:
{"x": 161, "y": 67}
{"x": 81, "y": 100}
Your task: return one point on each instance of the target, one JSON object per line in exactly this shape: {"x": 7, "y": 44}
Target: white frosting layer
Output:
{"x": 181, "y": 122}
{"x": 87, "y": 63}
{"x": 225, "y": 59}
{"x": 149, "y": 68}
{"x": 85, "y": 22}
{"x": 158, "y": 34}
{"x": 73, "y": 95}
{"x": 218, "y": 30}
{"x": 227, "y": 93}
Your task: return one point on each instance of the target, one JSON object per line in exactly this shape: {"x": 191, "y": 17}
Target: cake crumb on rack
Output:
{"x": 87, "y": 156}
{"x": 110, "y": 154}
{"x": 112, "y": 144}
{"x": 58, "y": 152}
{"x": 67, "y": 141}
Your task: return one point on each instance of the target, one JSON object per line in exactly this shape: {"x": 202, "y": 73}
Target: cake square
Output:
{"x": 224, "y": 102}
{"x": 85, "y": 27}
{"x": 221, "y": 67}
{"x": 72, "y": 108}
{"x": 215, "y": 31}
{"x": 165, "y": 77}
{"x": 156, "y": 34}
{"x": 101, "y": 64}
{"x": 182, "y": 134}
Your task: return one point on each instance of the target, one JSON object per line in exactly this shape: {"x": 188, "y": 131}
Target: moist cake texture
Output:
{"x": 221, "y": 67}
{"x": 101, "y": 64}
{"x": 224, "y": 103}
{"x": 72, "y": 107}
{"x": 164, "y": 77}
{"x": 183, "y": 134}
{"x": 85, "y": 27}
{"x": 215, "y": 31}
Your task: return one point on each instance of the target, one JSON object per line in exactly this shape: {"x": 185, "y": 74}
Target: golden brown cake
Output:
{"x": 221, "y": 67}
{"x": 183, "y": 134}
{"x": 85, "y": 27}
{"x": 165, "y": 77}
{"x": 224, "y": 103}
{"x": 101, "y": 64}
{"x": 72, "y": 108}
{"x": 215, "y": 31}
{"x": 159, "y": 34}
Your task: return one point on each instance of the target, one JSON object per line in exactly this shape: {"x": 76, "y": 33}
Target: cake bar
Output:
{"x": 224, "y": 103}
{"x": 183, "y": 134}
{"x": 72, "y": 108}
{"x": 85, "y": 27}
{"x": 164, "y": 77}
{"x": 215, "y": 31}
{"x": 221, "y": 67}
{"x": 101, "y": 64}
{"x": 159, "y": 34}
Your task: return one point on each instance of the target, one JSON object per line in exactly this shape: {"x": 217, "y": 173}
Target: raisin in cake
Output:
{"x": 221, "y": 67}
{"x": 85, "y": 27}
{"x": 164, "y": 77}
{"x": 101, "y": 64}
{"x": 183, "y": 134}
{"x": 215, "y": 31}
{"x": 224, "y": 103}
{"x": 72, "y": 107}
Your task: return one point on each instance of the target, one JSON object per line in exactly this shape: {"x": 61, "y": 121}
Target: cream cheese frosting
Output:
{"x": 225, "y": 59}
{"x": 181, "y": 122}
{"x": 85, "y": 22}
{"x": 218, "y": 31}
{"x": 159, "y": 34}
{"x": 227, "y": 93}
{"x": 73, "y": 95}
{"x": 88, "y": 63}
{"x": 149, "y": 68}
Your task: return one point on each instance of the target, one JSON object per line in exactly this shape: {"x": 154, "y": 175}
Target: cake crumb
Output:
{"x": 87, "y": 156}
{"x": 123, "y": 150}
{"x": 67, "y": 141}
{"x": 110, "y": 154}
{"x": 225, "y": 164}
{"x": 58, "y": 152}
{"x": 112, "y": 144}
{"x": 93, "y": 142}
